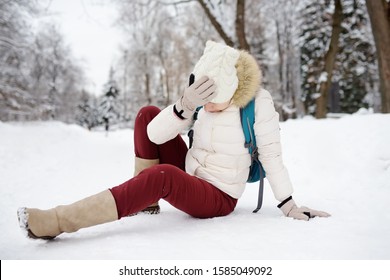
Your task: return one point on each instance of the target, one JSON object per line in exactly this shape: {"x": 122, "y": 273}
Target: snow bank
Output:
{"x": 338, "y": 165}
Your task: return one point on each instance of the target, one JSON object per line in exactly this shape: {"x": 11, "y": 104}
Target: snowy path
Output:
{"x": 340, "y": 166}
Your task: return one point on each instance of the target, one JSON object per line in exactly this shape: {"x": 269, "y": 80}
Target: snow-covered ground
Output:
{"x": 337, "y": 165}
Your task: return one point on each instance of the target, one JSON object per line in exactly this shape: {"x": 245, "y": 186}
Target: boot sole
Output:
{"x": 150, "y": 210}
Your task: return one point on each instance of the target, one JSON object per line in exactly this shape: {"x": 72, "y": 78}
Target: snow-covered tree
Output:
{"x": 284, "y": 81}
{"x": 88, "y": 114}
{"x": 379, "y": 12}
{"x": 15, "y": 40}
{"x": 167, "y": 38}
{"x": 39, "y": 79}
{"x": 313, "y": 41}
{"x": 356, "y": 69}
{"x": 156, "y": 62}
{"x": 353, "y": 71}
{"x": 110, "y": 110}
{"x": 56, "y": 78}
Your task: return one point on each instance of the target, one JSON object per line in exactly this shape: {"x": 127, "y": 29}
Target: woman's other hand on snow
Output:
{"x": 290, "y": 209}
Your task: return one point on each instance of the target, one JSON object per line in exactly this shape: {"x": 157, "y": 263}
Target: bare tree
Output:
{"x": 158, "y": 61}
{"x": 15, "y": 38}
{"x": 56, "y": 79}
{"x": 330, "y": 58}
{"x": 38, "y": 77}
{"x": 379, "y": 12}
{"x": 284, "y": 16}
{"x": 217, "y": 25}
{"x": 241, "y": 40}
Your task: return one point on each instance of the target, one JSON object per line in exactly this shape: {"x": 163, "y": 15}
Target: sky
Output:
{"x": 88, "y": 28}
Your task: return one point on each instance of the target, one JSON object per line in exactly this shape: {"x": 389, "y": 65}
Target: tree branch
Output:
{"x": 228, "y": 41}
{"x": 177, "y": 2}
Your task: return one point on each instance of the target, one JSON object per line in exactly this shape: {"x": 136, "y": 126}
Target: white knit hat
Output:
{"x": 218, "y": 62}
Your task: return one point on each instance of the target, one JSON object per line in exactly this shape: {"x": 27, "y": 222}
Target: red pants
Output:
{"x": 167, "y": 180}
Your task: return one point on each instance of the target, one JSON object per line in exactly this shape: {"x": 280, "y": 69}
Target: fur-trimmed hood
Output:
{"x": 249, "y": 79}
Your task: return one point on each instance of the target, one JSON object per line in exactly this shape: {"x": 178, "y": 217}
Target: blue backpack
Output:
{"x": 256, "y": 171}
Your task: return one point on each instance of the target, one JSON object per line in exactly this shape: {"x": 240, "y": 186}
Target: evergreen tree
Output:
{"x": 88, "y": 112}
{"x": 110, "y": 109}
{"x": 313, "y": 41}
{"x": 356, "y": 60}
{"x": 354, "y": 69}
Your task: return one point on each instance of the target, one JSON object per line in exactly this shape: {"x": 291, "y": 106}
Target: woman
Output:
{"x": 205, "y": 181}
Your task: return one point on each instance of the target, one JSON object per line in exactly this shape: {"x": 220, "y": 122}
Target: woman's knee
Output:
{"x": 147, "y": 113}
{"x": 159, "y": 171}
{"x": 162, "y": 176}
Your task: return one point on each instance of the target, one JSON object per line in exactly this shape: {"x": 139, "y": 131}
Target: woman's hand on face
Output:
{"x": 197, "y": 94}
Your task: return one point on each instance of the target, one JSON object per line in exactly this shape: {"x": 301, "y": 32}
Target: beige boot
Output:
{"x": 47, "y": 224}
{"x": 142, "y": 164}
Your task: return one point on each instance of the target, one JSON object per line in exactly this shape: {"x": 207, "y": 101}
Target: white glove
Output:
{"x": 197, "y": 94}
{"x": 290, "y": 209}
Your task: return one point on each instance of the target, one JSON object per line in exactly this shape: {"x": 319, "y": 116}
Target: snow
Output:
{"x": 323, "y": 77}
{"x": 337, "y": 165}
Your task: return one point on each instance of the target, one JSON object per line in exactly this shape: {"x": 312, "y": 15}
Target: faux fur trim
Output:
{"x": 249, "y": 79}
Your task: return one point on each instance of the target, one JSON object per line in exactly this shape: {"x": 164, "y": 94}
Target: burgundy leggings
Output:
{"x": 167, "y": 180}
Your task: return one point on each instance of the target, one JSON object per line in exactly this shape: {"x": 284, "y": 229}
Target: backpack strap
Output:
{"x": 247, "y": 121}
{"x": 260, "y": 196}
{"x": 191, "y": 131}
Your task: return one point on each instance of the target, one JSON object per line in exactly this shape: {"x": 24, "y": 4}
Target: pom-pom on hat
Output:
{"x": 218, "y": 62}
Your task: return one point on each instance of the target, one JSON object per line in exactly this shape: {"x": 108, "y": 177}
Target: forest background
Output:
{"x": 321, "y": 58}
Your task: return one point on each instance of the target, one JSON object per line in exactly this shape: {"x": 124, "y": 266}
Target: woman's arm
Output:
{"x": 166, "y": 126}
{"x": 268, "y": 142}
{"x": 270, "y": 155}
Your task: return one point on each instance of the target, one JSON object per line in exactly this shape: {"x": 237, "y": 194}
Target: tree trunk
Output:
{"x": 281, "y": 59}
{"x": 147, "y": 89}
{"x": 330, "y": 58}
{"x": 379, "y": 12}
{"x": 240, "y": 26}
{"x": 168, "y": 89}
